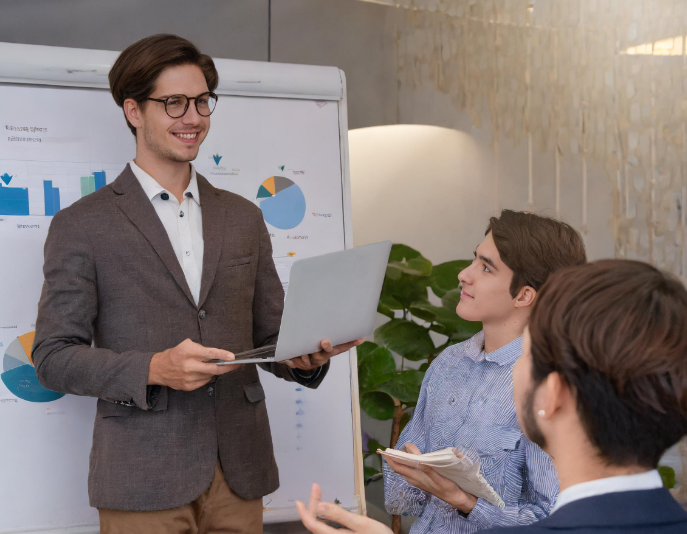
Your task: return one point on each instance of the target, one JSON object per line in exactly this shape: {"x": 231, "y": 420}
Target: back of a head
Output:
{"x": 138, "y": 67}
{"x": 615, "y": 331}
{"x": 534, "y": 247}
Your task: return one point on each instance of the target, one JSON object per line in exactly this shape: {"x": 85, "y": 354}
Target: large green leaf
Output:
{"x": 406, "y": 338}
{"x": 421, "y": 310}
{"x": 450, "y": 299}
{"x": 443, "y": 316}
{"x": 377, "y": 367}
{"x": 405, "y": 386}
{"x": 444, "y": 276}
{"x": 404, "y": 259}
{"x": 400, "y": 293}
{"x": 385, "y": 310}
{"x": 364, "y": 350}
{"x": 377, "y": 405}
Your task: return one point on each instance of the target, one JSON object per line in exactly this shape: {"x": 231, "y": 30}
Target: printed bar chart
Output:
{"x": 87, "y": 185}
{"x": 52, "y": 198}
{"x": 14, "y": 200}
{"x": 99, "y": 178}
{"x": 90, "y": 184}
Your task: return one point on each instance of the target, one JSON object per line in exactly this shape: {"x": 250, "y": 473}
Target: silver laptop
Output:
{"x": 333, "y": 296}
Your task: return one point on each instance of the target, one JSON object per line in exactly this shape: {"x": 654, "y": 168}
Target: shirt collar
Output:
{"x": 505, "y": 355}
{"x": 642, "y": 481}
{"x": 152, "y": 187}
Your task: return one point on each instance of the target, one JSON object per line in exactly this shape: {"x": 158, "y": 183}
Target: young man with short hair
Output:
{"x": 466, "y": 400}
{"x": 155, "y": 270}
{"x": 602, "y": 388}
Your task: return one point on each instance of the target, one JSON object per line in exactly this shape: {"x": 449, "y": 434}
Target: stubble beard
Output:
{"x": 529, "y": 421}
{"x": 162, "y": 152}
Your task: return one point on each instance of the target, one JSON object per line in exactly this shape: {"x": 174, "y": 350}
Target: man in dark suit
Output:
{"x": 160, "y": 272}
{"x": 601, "y": 387}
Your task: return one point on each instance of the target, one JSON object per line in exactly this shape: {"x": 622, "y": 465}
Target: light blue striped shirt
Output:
{"x": 466, "y": 401}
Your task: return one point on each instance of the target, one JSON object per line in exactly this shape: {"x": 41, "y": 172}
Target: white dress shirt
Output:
{"x": 183, "y": 223}
{"x": 593, "y": 488}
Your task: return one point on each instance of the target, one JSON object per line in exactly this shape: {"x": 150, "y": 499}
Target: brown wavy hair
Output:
{"x": 137, "y": 68}
{"x": 533, "y": 247}
{"x": 616, "y": 332}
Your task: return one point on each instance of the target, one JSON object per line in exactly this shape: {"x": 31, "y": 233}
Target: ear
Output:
{"x": 554, "y": 395}
{"x": 133, "y": 112}
{"x": 525, "y": 296}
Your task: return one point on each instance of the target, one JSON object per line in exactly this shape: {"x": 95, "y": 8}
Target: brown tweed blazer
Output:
{"x": 112, "y": 278}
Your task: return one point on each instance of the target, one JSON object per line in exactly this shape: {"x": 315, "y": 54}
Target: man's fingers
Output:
{"x": 207, "y": 353}
{"x": 403, "y": 470}
{"x": 326, "y": 345}
{"x": 310, "y": 521}
{"x": 210, "y": 369}
{"x": 297, "y": 363}
{"x": 344, "y": 347}
{"x": 412, "y": 448}
{"x": 315, "y": 498}
{"x": 334, "y": 512}
{"x": 224, "y": 369}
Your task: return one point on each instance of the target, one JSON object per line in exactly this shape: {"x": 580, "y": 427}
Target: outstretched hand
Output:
{"x": 308, "y": 362}
{"x": 332, "y": 512}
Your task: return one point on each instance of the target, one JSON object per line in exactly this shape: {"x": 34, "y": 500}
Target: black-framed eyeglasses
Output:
{"x": 176, "y": 106}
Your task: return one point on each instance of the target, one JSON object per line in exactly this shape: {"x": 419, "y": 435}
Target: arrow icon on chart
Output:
{"x": 6, "y": 178}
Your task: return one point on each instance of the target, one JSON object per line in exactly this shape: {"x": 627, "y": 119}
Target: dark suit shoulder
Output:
{"x": 629, "y": 512}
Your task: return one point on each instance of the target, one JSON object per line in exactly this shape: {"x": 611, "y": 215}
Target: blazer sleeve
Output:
{"x": 268, "y": 305}
{"x": 62, "y": 353}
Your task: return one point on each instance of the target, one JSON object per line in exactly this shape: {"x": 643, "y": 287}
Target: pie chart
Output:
{"x": 18, "y": 373}
{"x": 282, "y": 202}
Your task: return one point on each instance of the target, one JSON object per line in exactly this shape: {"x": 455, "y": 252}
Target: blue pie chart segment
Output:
{"x": 19, "y": 376}
{"x": 282, "y": 203}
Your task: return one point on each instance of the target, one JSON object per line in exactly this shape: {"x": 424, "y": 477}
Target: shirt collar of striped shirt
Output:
{"x": 507, "y": 354}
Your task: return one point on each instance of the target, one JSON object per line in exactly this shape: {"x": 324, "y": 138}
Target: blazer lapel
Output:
{"x": 138, "y": 208}
{"x": 214, "y": 224}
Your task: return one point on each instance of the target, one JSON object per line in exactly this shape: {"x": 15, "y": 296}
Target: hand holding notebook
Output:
{"x": 450, "y": 464}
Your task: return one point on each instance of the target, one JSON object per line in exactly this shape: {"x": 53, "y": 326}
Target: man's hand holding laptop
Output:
{"x": 307, "y": 362}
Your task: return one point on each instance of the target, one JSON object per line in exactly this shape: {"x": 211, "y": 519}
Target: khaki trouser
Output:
{"x": 217, "y": 510}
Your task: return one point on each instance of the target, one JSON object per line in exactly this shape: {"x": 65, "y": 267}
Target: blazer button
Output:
{"x": 201, "y": 314}
{"x": 211, "y": 391}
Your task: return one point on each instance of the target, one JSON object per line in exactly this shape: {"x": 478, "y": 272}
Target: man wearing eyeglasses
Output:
{"x": 147, "y": 279}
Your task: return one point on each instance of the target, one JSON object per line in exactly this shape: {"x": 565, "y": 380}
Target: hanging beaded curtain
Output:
{"x": 602, "y": 80}
{"x": 596, "y": 80}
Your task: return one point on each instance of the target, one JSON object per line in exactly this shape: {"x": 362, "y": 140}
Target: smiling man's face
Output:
{"x": 485, "y": 286}
{"x": 175, "y": 139}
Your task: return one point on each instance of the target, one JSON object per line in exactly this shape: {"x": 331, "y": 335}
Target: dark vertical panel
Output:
{"x": 358, "y": 37}
{"x": 234, "y": 29}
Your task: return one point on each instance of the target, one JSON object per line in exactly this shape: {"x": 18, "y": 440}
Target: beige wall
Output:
{"x": 424, "y": 186}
